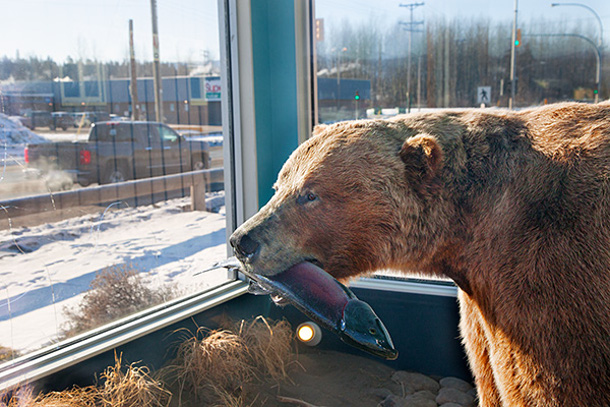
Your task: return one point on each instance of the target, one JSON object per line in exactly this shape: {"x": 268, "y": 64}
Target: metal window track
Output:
{"x": 410, "y": 286}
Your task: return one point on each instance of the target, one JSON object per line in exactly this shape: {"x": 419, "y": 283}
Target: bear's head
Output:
{"x": 354, "y": 198}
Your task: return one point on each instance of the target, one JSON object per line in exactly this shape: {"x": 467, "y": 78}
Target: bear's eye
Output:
{"x": 307, "y": 197}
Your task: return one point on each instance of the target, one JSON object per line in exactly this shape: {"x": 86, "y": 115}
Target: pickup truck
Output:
{"x": 119, "y": 151}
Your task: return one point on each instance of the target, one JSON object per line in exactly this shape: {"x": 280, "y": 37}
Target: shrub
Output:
{"x": 7, "y": 354}
{"x": 115, "y": 292}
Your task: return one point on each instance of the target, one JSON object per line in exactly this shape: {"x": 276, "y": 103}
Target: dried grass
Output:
{"x": 270, "y": 346}
{"x": 24, "y": 396}
{"x": 210, "y": 365}
{"x": 131, "y": 388}
{"x": 218, "y": 366}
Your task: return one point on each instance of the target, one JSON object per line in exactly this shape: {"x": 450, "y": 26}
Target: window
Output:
{"x": 92, "y": 229}
{"x": 167, "y": 135}
{"x": 381, "y": 59}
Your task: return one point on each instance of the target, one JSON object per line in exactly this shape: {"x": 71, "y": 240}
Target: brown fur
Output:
{"x": 514, "y": 207}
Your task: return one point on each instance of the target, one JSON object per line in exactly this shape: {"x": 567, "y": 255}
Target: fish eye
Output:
{"x": 372, "y": 331}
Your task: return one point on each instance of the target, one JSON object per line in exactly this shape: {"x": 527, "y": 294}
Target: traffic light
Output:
{"x": 518, "y": 39}
{"x": 357, "y": 95}
{"x": 319, "y": 29}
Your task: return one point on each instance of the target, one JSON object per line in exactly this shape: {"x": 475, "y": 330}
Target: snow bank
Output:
{"x": 13, "y": 132}
{"x": 13, "y": 138}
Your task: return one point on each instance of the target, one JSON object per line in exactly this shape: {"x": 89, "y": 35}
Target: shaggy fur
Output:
{"x": 512, "y": 206}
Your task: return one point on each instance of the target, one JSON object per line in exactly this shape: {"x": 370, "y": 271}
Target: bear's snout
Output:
{"x": 245, "y": 246}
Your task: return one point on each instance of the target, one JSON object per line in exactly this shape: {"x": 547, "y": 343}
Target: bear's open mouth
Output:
{"x": 315, "y": 262}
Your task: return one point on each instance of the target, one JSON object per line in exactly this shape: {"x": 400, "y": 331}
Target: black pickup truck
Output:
{"x": 119, "y": 151}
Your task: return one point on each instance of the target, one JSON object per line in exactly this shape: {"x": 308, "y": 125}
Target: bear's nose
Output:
{"x": 244, "y": 245}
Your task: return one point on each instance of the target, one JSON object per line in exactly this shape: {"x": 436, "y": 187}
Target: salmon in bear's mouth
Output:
{"x": 328, "y": 302}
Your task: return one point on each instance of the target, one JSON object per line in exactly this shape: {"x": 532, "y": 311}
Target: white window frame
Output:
{"x": 237, "y": 114}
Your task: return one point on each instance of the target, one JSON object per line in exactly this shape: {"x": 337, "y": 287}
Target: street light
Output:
{"x": 599, "y": 20}
{"x": 599, "y": 42}
{"x": 513, "y": 60}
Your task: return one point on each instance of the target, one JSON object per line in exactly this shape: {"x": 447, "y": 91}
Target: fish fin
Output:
{"x": 256, "y": 288}
{"x": 279, "y": 300}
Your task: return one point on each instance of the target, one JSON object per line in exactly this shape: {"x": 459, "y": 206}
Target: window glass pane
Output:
{"x": 384, "y": 58}
{"x": 168, "y": 135}
{"x": 71, "y": 89}
{"x": 99, "y": 219}
{"x": 92, "y": 88}
{"x": 195, "y": 88}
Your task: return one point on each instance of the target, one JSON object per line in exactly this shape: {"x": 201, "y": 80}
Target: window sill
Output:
{"x": 61, "y": 355}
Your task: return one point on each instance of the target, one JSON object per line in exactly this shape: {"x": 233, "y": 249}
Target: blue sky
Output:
{"x": 495, "y": 9}
{"x": 97, "y": 29}
{"x": 390, "y": 12}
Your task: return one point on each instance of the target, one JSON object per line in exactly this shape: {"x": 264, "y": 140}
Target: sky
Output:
{"x": 390, "y": 11}
{"x": 496, "y": 9}
{"x": 98, "y": 29}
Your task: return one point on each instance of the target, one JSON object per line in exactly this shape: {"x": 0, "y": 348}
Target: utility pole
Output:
{"x": 156, "y": 66}
{"x": 339, "y": 51}
{"x": 513, "y": 61}
{"x": 411, "y": 27}
{"x": 419, "y": 83}
{"x": 133, "y": 86}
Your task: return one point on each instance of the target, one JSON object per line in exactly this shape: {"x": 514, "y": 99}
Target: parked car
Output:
{"x": 52, "y": 120}
{"x": 62, "y": 120}
{"x": 119, "y": 151}
{"x": 35, "y": 119}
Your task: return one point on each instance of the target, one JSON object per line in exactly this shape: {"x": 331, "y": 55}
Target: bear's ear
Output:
{"x": 422, "y": 157}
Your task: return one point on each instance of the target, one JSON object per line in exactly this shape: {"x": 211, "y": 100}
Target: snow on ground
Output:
{"x": 46, "y": 268}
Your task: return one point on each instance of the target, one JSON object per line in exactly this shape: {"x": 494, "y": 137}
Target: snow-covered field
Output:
{"x": 46, "y": 268}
